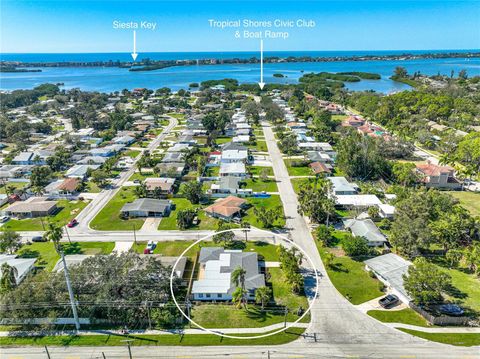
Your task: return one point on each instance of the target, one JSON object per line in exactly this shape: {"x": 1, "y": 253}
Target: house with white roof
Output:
{"x": 341, "y": 186}
{"x": 231, "y": 156}
{"x": 23, "y": 266}
{"x": 358, "y": 201}
{"x": 235, "y": 169}
{"x": 217, "y": 264}
{"x": 366, "y": 228}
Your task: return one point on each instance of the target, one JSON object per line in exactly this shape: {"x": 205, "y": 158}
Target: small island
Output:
{"x": 279, "y": 75}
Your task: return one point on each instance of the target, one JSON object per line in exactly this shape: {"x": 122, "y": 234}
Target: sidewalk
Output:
{"x": 259, "y": 330}
{"x": 451, "y": 330}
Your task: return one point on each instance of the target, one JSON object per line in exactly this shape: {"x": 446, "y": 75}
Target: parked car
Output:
{"x": 136, "y": 181}
{"x": 3, "y": 219}
{"x": 151, "y": 245}
{"x": 72, "y": 223}
{"x": 388, "y": 301}
{"x": 451, "y": 309}
{"x": 38, "y": 239}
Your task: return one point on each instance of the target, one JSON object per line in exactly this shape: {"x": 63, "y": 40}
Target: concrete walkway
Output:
{"x": 258, "y": 330}
{"x": 122, "y": 247}
{"x": 150, "y": 224}
{"x": 459, "y": 330}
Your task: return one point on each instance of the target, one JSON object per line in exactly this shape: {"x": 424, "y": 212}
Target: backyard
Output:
{"x": 469, "y": 200}
{"x": 297, "y": 171}
{"x": 273, "y": 201}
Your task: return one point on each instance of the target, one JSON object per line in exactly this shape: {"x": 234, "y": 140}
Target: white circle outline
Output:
{"x": 245, "y": 337}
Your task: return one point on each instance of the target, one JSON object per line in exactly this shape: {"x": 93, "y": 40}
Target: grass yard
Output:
{"x": 339, "y": 118}
{"x": 222, "y": 140}
{"x": 141, "y": 177}
{"x": 352, "y": 280}
{"x": 260, "y": 146}
{"x": 91, "y": 187}
{"x": 15, "y": 185}
{"x": 467, "y": 339}
{"x": 257, "y": 185}
{"x": 467, "y": 292}
{"x": 267, "y": 203}
{"x": 108, "y": 219}
{"x": 151, "y": 340}
{"x": 298, "y": 182}
{"x": 170, "y": 222}
{"x": 469, "y": 200}
{"x": 48, "y": 257}
{"x": 405, "y": 316}
{"x": 178, "y": 116}
{"x": 212, "y": 171}
{"x": 68, "y": 210}
{"x": 131, "y": 153}
{"x": 257, "y": 170}
{"x": 297, "y": 171}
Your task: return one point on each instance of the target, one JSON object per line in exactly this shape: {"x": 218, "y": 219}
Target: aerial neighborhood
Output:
{"x": 222, "y": 189}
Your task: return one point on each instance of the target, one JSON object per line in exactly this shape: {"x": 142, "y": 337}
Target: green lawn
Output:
{"x": 297, "y": 171}
{"x": 467, "y": 292}
{"x": 153, "y": 340}
{"x": 16, "y": 185}
{"x": 91, "y": 187}
{"x": 47, "y": 256}
{"x": 222, "y": 140}
{"x": 405, "y": 316}
{"x": 141, "y": 177}
{"x": 352, "y": 280}
{"x": 212, "y": 171}
{"x": 268, "y": 203}
{"x": 467, "y": 339}
{"x": 339, "y": 118}
{"x": 257, "y": 185}
{"x": 469, "y": 200}
{"x": 109, "y": 217}
{"x": 170, "y": 222}
{"x": 256, "y": 170}
{"x": 179, "y": 116}
{"x": 68, "y": 210}
{"x": 298, "y": 182}
{"x": 260, "y": 146}
{"x": 132, "y": 153}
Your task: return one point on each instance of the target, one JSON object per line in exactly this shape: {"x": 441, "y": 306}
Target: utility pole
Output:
{"x": 48, "y": 354}
{"x": 68, "y": 235}
{"x": 285, "y": 318}
{"x": 134, "y": 235}
{"x": 70, "y": 292}
{"x": 128, "y": 346}
{"x": 43, "y": 225}
{"x": 103, "y": 355}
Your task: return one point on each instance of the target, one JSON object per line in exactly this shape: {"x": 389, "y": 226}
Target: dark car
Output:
{"x": 38, "y": 239}
{"x": 388, "y": 301}
{"x": 451, "y": 310}
{"x": 72, "y": 223}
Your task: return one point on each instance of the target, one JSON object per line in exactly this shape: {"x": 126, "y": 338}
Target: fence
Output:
{"x": 441, "y": 320}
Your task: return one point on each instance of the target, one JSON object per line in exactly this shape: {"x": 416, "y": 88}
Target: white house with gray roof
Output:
{"x": 365, "y": 228}
{"x": 215, "y": 275}
{"x": 146, "y": 207}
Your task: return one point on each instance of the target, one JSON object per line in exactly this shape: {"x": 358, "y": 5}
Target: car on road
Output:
{"x": 38, "y": 239}
{"x": 3, "y": 219}
{"x": 72, "y": 223}
{"x": 451, "y": 310}
{"x": 151, "y": 245}
{"x": 388, "y": 301}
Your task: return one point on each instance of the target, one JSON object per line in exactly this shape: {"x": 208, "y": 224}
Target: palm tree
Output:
{"x": 263, "y": 295}
{"x": 54, "y": 234}
{"x": 9, "y": 278}
{"x": 237, "y": 296}
{"x": 238, "y": 277}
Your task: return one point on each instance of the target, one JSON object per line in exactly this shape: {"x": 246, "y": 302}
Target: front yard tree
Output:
{"x": 10, "y": 241}
{"x": 328, "y": 259}
{"x": 238, "y": 277}
{"x": 40, "y": 176}
{"x": 185, "y": 218}
{"x": 224, "y": 234}
{"x": 354, "y": 246}
{"x": 471, "y": 257}
{"x": 425, "y": 282}
{"x": 316, "y": 203}
{"x": 288, "y": 144}
{"x": 100, "y": 177}
{"x": 267, "y": 216}
{"x": 193, "y": 191}
{"x": 263, "y": 295}
{"x": 8, "y": 280}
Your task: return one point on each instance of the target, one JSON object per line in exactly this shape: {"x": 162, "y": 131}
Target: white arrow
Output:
{"x": 261, "y": 83}
{"x": 134, "y": 53}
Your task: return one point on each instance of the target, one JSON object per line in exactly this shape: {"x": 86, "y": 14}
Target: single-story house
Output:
{"x": 179, "y": 147}
{"x": 163, "y": 184}
{"x": 231, "y": 156}
{"x": 63, "y": 188}
{"x": 172, "y": 157}
{"x": 80, "y": 171}
{"x": 102, "y": 152}
{"x": 235, "y": 169}
{"x": 341, "y": 186}
{"x": 187, "y": 140}
{"x": 227, "y": 208}
{"x": 389, "y": 269}
{"x": 92, "y": 160}
{"x": 386, "y": 210}
{"x": 367, "y": 229}
{"x": 226, "y": 186}
{"x": 319, "y": 156}
{"x": 23, "y": 266}
{"x": 320, "y": 168}
{"x": 24, "y": 158}
{"x": 241, "y": 139}
{"x": 124, "y": 140}
{"x": 171, "y": 169}
{"x": 357, "y": 200}
{"x": 32, "y": 207}
{"x": 146, "y": 207}
{"x": 215, "y": 274}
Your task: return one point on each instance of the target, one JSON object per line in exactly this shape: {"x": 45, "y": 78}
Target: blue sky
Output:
{"x": 86, "y": 26}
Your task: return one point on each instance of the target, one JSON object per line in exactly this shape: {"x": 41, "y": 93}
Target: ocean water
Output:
{"x": 109, "y": 79}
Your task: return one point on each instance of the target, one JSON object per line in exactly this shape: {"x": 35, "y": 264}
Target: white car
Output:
{"x": 151, "y": 245}
{"x": 3, "y": 219}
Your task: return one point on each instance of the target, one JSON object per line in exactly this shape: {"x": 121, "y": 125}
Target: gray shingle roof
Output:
{"x": 147, "y": 205}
